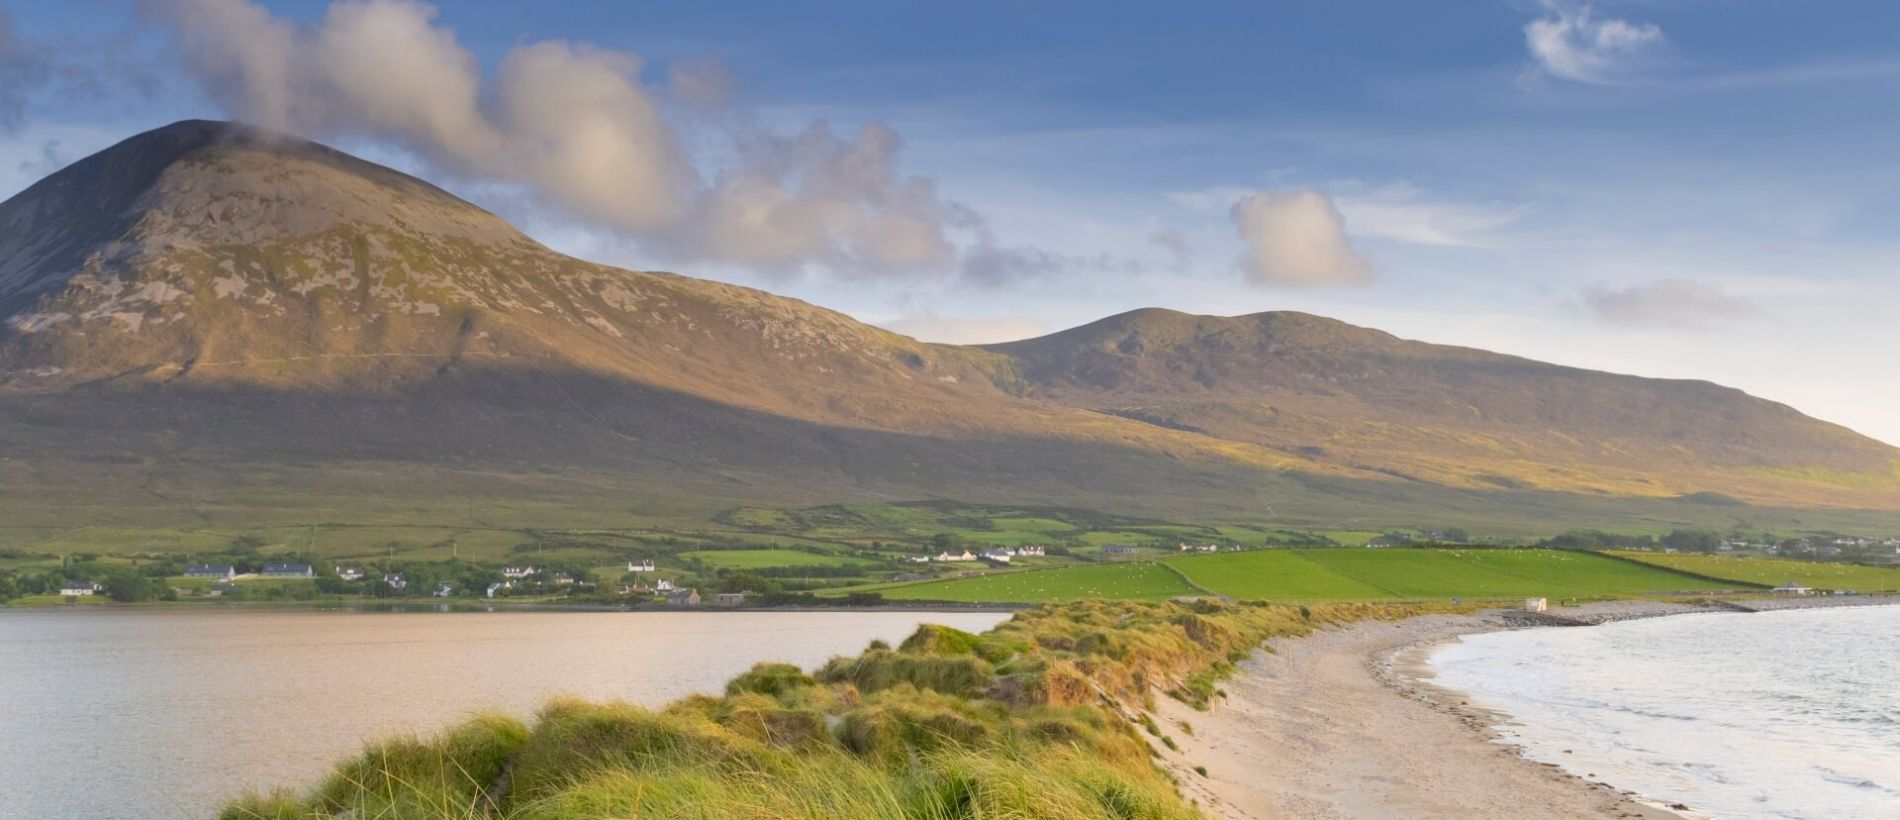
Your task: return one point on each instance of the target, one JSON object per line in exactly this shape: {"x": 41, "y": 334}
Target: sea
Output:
{"x": 152, "y": 714}
{"x": 1788, "y": 714}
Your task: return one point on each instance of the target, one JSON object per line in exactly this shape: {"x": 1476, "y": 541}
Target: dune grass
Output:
{"x": 1034, "y": 719}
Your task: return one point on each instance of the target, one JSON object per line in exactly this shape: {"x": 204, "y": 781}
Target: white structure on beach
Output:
{"x": 1536, "y": 604}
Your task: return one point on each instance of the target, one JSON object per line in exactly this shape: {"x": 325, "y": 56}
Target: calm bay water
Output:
{"x": 152, "y": 714}
{"x": 1790, "y": 714}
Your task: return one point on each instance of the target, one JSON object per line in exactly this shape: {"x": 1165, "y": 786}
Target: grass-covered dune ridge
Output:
{"x": 1035, "y": 718}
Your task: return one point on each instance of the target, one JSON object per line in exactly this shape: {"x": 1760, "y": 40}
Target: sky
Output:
{"x": 1674, "y": 188}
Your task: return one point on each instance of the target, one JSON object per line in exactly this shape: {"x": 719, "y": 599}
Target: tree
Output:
{"x": 1692, "y": 540}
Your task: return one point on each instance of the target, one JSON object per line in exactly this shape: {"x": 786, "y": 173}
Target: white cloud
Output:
{"x": 574, "y": 123}
{"x": 1401, "y": 213}
{"x": 1296, "y": 237}
{"x": 1572, "y": 43}
{"x": 1682, "y": 304}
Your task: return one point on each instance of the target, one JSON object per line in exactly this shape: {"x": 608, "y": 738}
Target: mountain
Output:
{"x": 209, "y": 321}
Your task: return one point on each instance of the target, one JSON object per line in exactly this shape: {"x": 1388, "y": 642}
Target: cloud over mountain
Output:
{"x": 1669, "y": 303}
{"x": 575, "y": 124}
{"x": 1296, "y": 237}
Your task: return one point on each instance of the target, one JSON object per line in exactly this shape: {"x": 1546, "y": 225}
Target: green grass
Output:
{"x": 1323, "y": 575}
{"x": 754, "y": 559}
{"x": 1776, "y": 571}
{"x": 1420, "y": 573}
{"x": 1140, "y": 582}
{"x": 1273, "y": 575}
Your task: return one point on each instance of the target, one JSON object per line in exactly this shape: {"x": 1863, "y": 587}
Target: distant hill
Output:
{"x": 212, "y": 322}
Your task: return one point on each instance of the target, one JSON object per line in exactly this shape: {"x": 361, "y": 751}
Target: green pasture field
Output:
{"x": 1142, "y": 582}
{"x": 1776, "y": 571}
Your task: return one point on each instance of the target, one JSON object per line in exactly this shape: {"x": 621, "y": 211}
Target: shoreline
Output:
{"x": 1347, "y": 723}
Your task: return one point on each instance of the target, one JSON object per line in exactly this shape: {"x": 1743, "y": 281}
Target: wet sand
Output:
{"x": 1341, "y": 725}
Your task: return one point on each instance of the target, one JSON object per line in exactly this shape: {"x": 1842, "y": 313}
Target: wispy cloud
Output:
{"x": 1402, "y": 213}
{"x": 1296, "y": 238}
{"x": 1681, "y": 304}
{"x": 1572, "y": 43}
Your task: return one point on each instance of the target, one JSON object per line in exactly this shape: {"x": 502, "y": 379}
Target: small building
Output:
{"x": 730, "y": 598}
{"x": 444, "y": 591}
{"x": 1536, "y": 604}
{"x": 640, "y": 566}
{"x": 517, "y": 572}
{"x": 225, "y": 571}
{"x": 1119, "y": 549}
{"x": 920, "y": 559}
{"x": 683, "y": 597}
{"x": 1793, "y": 588}
{"x": 492, "y": 589}
{"x": 996, "y": 556}
{"x": 396, "y": 580}
{"x": 1030, "y": 551}
{"x": 78, "y": 589}
{"x": 1186, "y": 547}
{"x": 349, "y": 573}
{"x": 664, "y": 585}
{"x": 962, "y": 556}
{"x": 287, "y": 571}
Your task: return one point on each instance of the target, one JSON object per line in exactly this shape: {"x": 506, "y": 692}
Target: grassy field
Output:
{"x": 754, "y": 559}
{"x": 1327, "y": 574}
{"x": 1774, "y": 571}
{"x": 1142, "y": 582}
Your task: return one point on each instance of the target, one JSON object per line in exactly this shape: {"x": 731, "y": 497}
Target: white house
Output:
{"x": 75, "y": 589}
{"x": 996, "y": 556}
{"x": 664, "y": 586}
{"x": 350, "y": 573}
{"x": 1030, "y": 551}
{"x": 640, "y": 566}
{"x": 224, "y": 571}
{"x": 288, "y": 571}
{"x": 444, "y": 591}
{"x": 1536, "y": 604}
{"x": 517, "y": 572}
{"x": 920, "y": 559}
{"x": 396, "y": 580}
{"x": 1186, "y": 547}
{"x": 493, "y": 588}
{"x": 964, "y": 556}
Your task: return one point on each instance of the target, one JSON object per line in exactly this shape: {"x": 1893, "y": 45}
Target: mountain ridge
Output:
{"x": 223, "y": 268}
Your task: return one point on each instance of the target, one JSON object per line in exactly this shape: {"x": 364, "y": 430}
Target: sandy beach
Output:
{"x": 1347, "y": 724}
{"x": 1339, "y": 725}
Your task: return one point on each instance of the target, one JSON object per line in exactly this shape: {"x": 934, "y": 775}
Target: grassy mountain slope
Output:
{"x": 211, "y": 322}
{"x": 1355, "y": 397}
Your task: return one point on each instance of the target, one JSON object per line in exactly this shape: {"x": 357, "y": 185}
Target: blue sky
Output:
{"x": 1682, "y": 188}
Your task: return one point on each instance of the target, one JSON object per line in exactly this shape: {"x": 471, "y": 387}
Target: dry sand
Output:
{"x": 1335, "y": 725}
